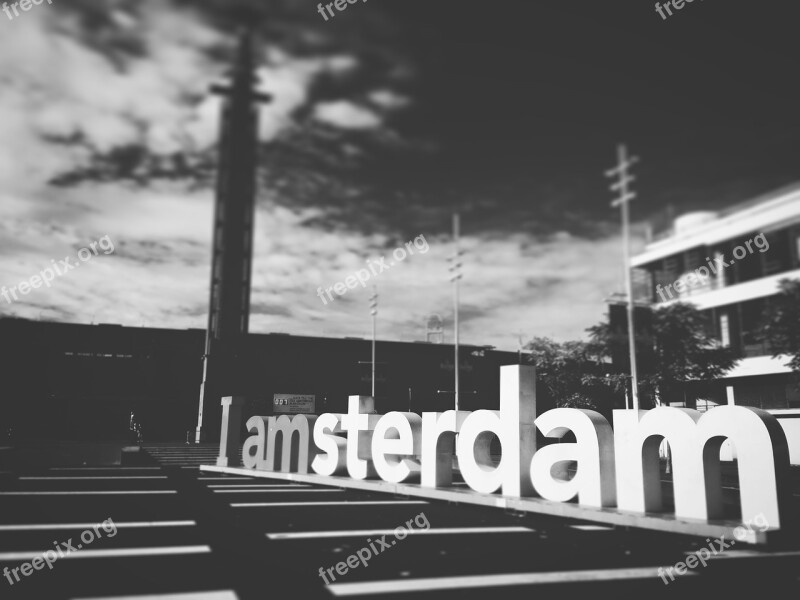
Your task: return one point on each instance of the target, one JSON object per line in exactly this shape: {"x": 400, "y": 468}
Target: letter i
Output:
{"x": 374, "y": 550}
{"x": 55, "y": 266}
{"x": 370, "y": 266}
{"x": 61, "y": 554}
{"x": 712, "y": 265}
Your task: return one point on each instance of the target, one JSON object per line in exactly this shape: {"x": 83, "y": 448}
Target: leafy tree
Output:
{"x": 781, "y": 328}
{"x": 568, "y": 376}
{"x": 678, "y": 347}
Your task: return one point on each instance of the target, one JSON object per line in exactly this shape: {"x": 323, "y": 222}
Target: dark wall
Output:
{"x": 80, "y": 382}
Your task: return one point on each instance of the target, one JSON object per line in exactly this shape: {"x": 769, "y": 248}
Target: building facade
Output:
{"x": 77, "y": 382}
{"x": 729, "y": 264}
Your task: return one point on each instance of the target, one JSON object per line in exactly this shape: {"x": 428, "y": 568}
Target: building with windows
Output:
{"x": 728, "y": 264}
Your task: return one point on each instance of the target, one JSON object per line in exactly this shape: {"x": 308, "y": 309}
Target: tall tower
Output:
{"x": 231, "y": 264}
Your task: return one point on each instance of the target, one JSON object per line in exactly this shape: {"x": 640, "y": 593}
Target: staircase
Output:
{"x": 184, "y": 455}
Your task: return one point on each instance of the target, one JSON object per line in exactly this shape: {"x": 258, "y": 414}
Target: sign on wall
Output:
{"x": 293, "y": 404}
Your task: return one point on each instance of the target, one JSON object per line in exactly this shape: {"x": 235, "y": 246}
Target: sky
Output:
{"x": 386, "y": 119}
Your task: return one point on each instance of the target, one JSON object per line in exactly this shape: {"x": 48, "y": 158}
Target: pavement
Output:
{"x": 175, "y": 532}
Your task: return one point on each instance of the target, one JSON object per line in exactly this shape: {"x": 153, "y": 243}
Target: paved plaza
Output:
{"x": 183, "y": 533}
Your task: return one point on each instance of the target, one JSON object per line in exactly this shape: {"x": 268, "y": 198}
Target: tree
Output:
{"x": 677, "y": 348}
{"x": 568, "y": 376}
{"x": 781, "y": 328}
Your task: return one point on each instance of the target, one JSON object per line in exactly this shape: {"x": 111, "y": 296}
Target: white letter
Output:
{"x": 333, "y": 446}
{"x": 229, "y": 432}
{"x": 404, "y": 440}
{"x": 513, "y": 425}
{"x": 695, "y": 440}
{"x": 359, "y": 423}
{"x": 305, "y": 448}
{"x": 593, "y": 482}
{"x": 438, "y": 446}
{"x": 253, "y": 449}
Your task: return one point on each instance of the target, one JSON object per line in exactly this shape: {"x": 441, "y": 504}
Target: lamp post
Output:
{"x": 373, "y": 310}
{"x": 625, "y": 196}
{"x": 455, "y": 269}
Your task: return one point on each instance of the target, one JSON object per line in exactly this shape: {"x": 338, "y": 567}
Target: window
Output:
{"x": 752, "y": 314}
{"x": 705, "y": 404}
{"x": 747, "y": 259}
{"x": 717, "y": 256}
{"x": 797, "y": 243}
{"x": 725, "y": 330}
{"x": 671, "y": 267}
{"x": 692, "y": 260}
{"x": 779, "y": 257}
{"x": 766, "y": 396}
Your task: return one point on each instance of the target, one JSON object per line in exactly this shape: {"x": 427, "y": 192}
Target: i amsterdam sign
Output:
{"x": 617, "y": 479}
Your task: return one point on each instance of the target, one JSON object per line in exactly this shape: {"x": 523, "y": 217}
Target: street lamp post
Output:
{"x": 455, "y": 269}
{"x": 373, "y": 310}
{"x": 625, "y": 196}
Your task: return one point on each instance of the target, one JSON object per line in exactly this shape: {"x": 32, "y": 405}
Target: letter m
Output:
{"x": 695, "y": 441}
{"x": 293, "y": 458}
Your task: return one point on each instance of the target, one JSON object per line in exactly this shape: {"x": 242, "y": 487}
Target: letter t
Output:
{"x": 359, "y": 422}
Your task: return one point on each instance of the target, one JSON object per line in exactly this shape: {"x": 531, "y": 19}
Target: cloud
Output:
{"x": 133, "y": 86}
{"x": 346, "y": 115}
{"x": 389, "y": 100}
{"x": 556, "y": 290}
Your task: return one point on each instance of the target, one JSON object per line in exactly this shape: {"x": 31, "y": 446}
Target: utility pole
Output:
{"x": 373, "y": 310}
{"x": 623, "y": 200}
{"x": 455, "y": 269}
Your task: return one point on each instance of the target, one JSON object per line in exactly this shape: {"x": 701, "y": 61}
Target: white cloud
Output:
{"x": 389, "y": 100}
{"x": 346, "y": 115}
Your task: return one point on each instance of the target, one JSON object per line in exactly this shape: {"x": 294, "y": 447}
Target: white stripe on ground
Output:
{"x": 277, "y": 491}
{"x": 216, "y": 595}
{"x": 428, "y": 584}
{"x": 123, "y": 525}
{"x": 111, "y": 553}
{"x": 223, "y": 478}
{"x": 342, "y": 503}
{"x": 83, "y": 477}
{"x": 88, "y": 493}
{"x": 731, "y": 554}
{"x": 262, "y": 486}
{"x": 299, "y": 535}
{"x": 108, "y": 468}
{"x": 592, "y": 528}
